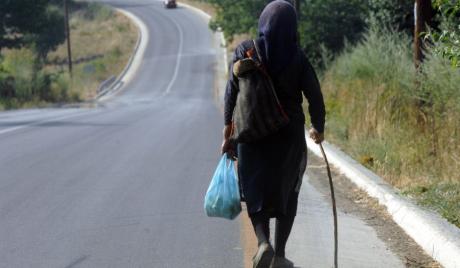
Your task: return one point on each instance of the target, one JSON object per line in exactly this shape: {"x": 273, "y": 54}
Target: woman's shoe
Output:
{"x": 264, "y": 256}
{"x": 280, "y": 262}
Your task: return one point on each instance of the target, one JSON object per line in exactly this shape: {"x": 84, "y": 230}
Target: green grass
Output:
{"x": 442, "y": 197}
{"x": 401, "y": 124}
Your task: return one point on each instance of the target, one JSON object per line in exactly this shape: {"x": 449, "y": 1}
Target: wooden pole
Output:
{"x": 423, "y": 16}
{"x": 418, "y": 29}
{"x": 67, "y": 34}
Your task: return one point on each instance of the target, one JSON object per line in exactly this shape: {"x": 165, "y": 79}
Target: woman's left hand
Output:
{"x": 227, "y": 144}
{"x": 227, "y": 147}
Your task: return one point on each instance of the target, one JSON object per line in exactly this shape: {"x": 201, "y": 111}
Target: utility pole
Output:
{"x": 67, "y": 34}
{"x": 423, "y": 14}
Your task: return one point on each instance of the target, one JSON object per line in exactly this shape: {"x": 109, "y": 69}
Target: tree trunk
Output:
{"x": 424, "y": 14}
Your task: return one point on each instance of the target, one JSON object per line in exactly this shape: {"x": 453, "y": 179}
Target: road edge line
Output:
{"x": 180, "y": 51}
{"x": 134, "y": 61}
{"x": 439, "y": 238}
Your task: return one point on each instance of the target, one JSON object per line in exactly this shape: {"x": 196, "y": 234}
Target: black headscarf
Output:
{"x": 278, "y": 35}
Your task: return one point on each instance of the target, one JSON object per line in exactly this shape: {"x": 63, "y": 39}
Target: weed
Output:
{"x": 442, "y": 197}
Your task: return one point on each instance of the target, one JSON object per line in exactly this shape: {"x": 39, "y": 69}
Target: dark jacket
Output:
{"x": 297, "y": 78}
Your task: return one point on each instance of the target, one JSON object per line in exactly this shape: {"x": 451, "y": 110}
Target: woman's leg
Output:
{"x": 284, "y": 225}
{"x": 282, "y": 232}
{"x": 261, "y": 223}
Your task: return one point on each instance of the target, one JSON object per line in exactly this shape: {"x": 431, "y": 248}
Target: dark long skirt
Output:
{"x": 270, "y": 169}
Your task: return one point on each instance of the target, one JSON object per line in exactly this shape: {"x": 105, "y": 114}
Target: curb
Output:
{"x": 134, "y": 61}
{"x": 439, "y": 238}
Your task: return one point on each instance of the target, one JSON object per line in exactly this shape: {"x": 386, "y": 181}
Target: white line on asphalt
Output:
{"x": 4, "y": 131}
{"x": 178, "y": 59}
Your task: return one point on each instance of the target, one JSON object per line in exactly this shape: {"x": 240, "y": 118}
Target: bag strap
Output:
{"x": 262, "y": 69}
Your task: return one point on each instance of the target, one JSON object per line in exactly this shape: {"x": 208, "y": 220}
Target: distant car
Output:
{"x": 170, "y": 3}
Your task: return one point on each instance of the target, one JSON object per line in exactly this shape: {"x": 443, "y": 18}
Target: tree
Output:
{"x": 37, "y": 23}
{"x": 325, "y": 23}
{"x": 395, "y": 14}
{"x": 330, "y": 23}
{"x": 447, "y": 39}
{"x": 237, "y": 17}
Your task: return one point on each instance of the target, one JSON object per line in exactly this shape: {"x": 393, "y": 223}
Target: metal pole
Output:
{"x": 67, "y": 34}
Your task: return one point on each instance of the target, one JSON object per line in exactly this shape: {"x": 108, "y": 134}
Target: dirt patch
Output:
{"x": 352, "y": 200}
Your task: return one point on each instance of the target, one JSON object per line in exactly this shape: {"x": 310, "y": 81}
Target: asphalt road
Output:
{"x": 122, "y": 184}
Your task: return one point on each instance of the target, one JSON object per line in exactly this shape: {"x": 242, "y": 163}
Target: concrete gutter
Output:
{"x": 439, "y": 238}
{"x": 134, "y": 61}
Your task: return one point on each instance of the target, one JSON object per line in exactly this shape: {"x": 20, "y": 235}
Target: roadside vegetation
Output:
{"x": 401, "y": 124}
{"x": 33, "y": 54}
{"x": 397, "y": 120}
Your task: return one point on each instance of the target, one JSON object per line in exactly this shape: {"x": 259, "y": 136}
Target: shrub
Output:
{"x": 22, "y": 80}
{"x": 331, "y": 24}
{"x": 19, "y": 70}
{"x": 379, "y": 109}
{"x": 401, "y": 123}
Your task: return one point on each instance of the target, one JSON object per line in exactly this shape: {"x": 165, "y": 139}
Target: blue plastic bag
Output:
{"x": 223, "y": 196}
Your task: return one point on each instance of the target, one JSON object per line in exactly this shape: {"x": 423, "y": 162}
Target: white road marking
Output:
{"x": 178, "y": 59}
{"x": 73, "y": 115}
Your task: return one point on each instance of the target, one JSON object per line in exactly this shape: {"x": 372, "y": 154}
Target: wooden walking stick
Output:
{"x": 334, "y": 208}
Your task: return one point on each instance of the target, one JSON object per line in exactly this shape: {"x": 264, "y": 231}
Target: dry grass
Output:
{"x": 101, "y": 47}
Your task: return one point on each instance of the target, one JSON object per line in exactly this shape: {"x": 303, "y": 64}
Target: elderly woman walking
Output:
{"x": 270, "y": 169}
